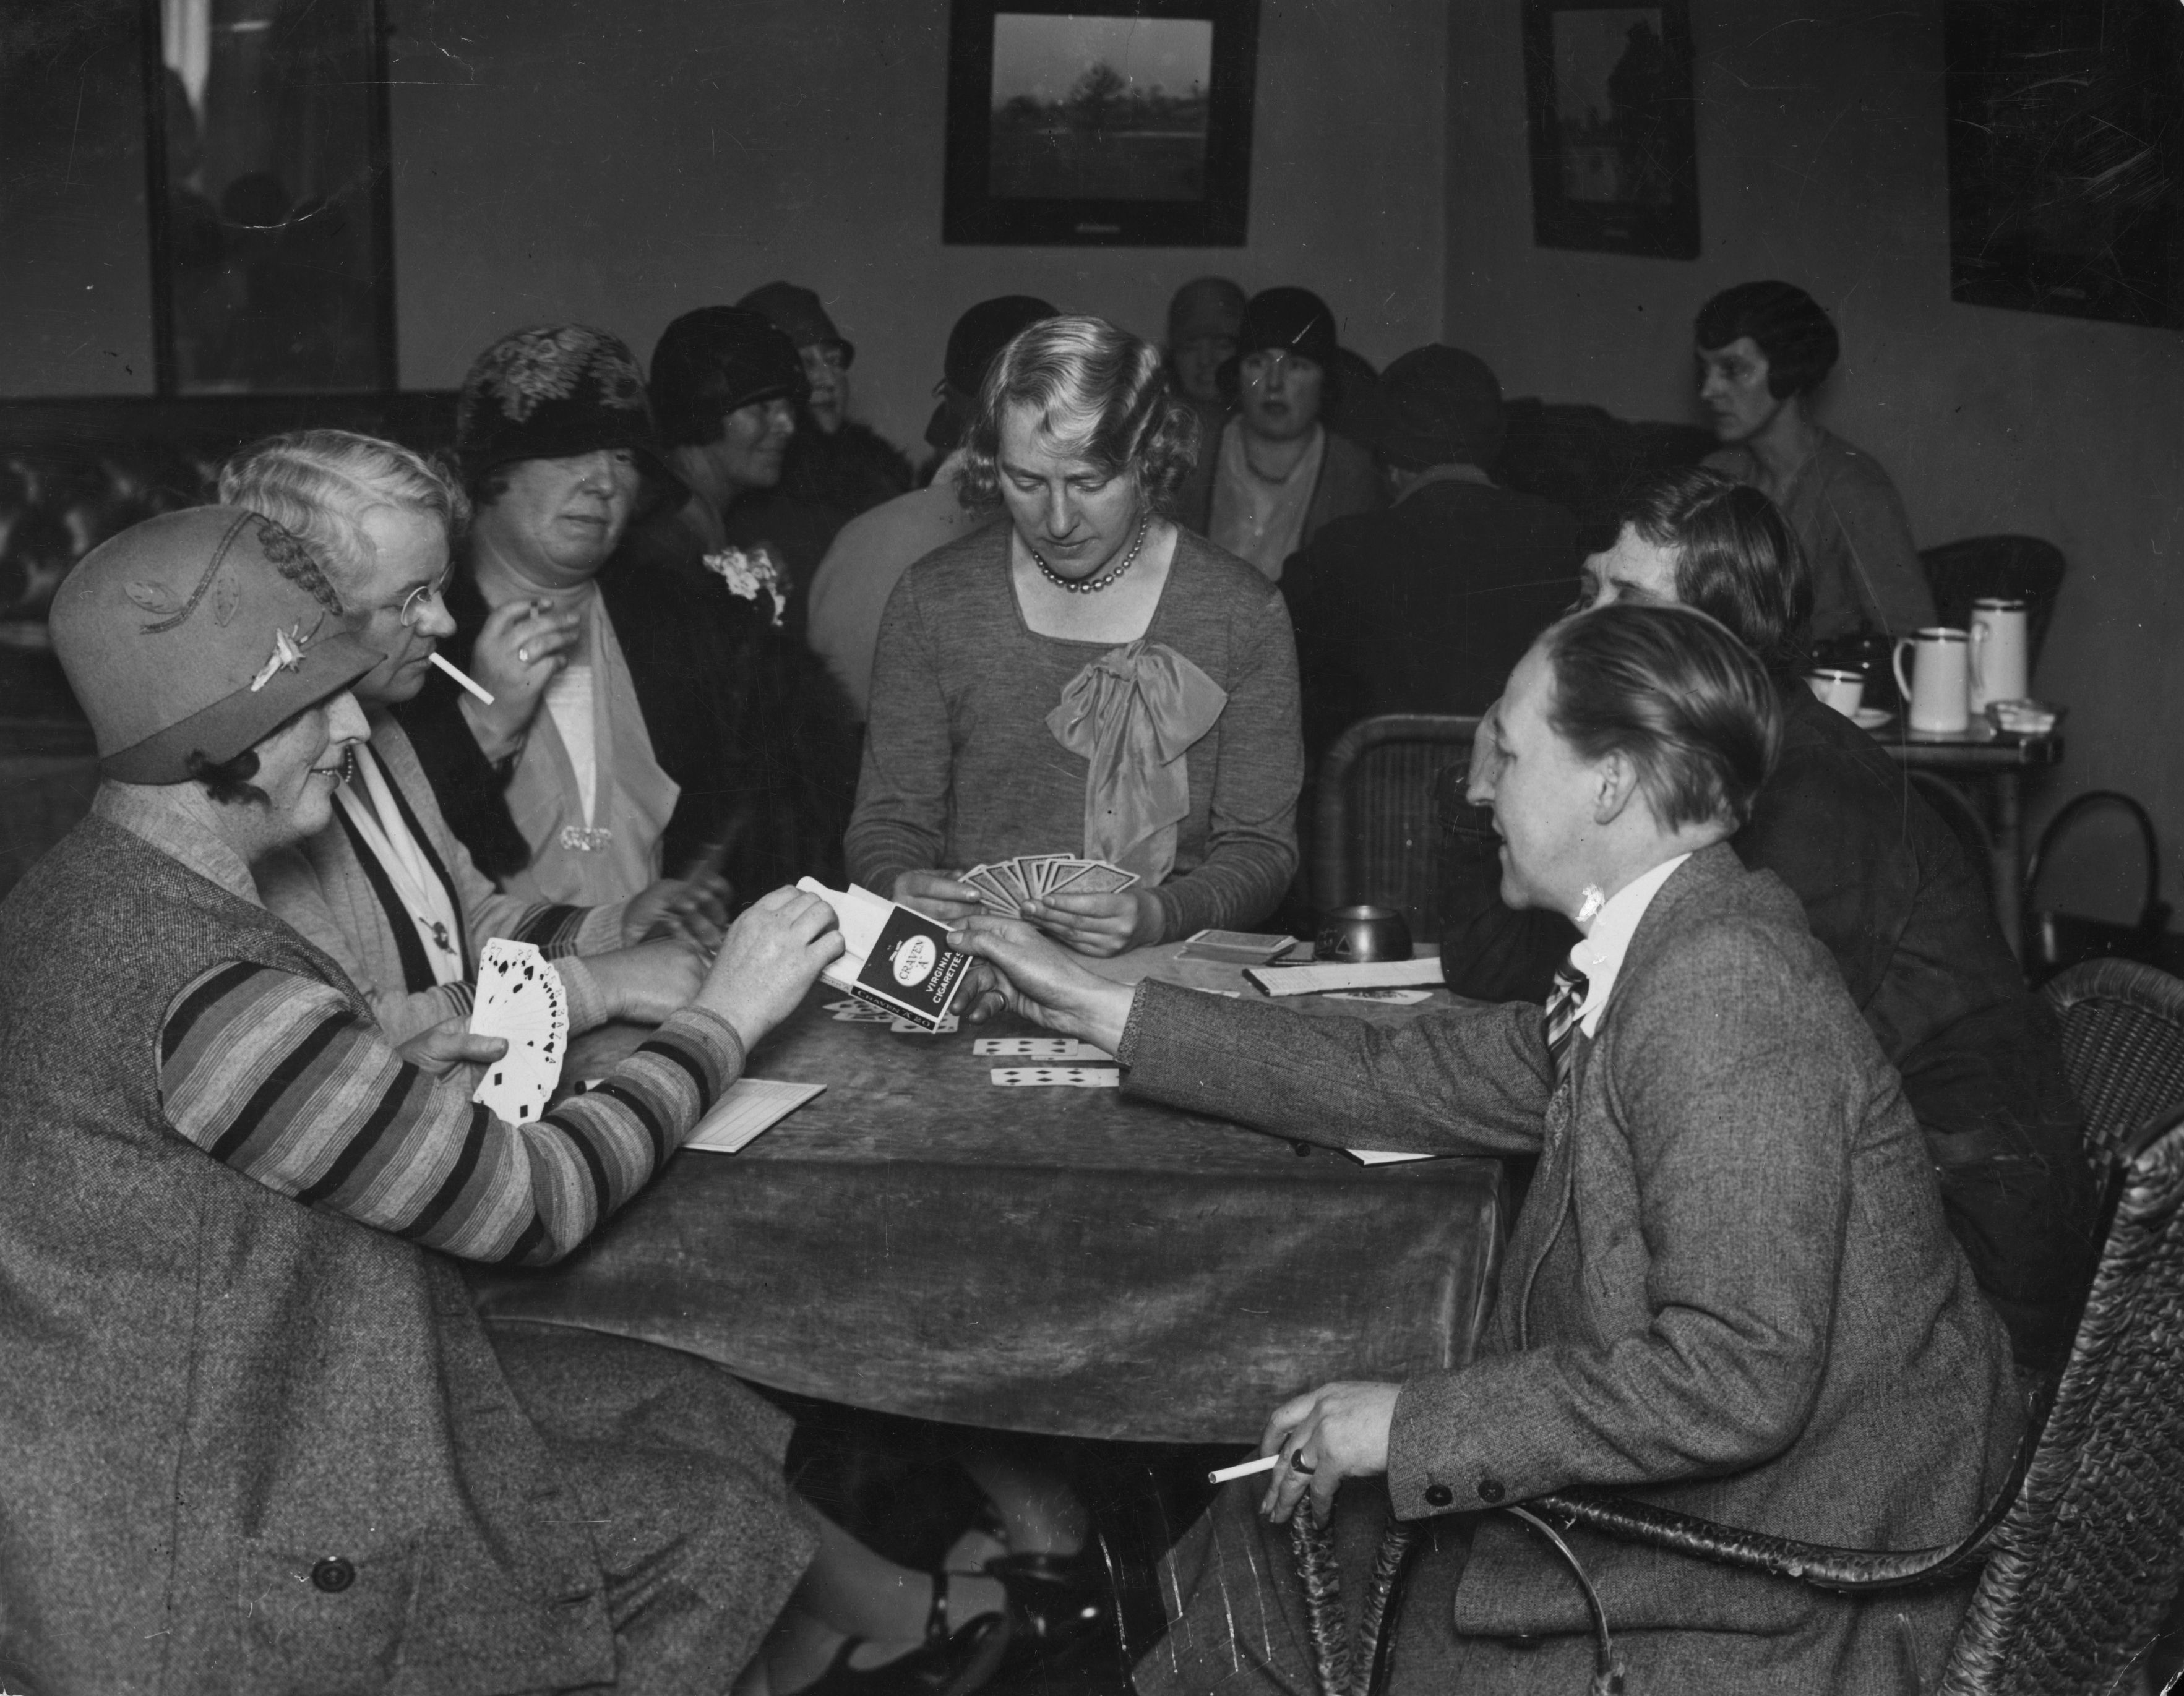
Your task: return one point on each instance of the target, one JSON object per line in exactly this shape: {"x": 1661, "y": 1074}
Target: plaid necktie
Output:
{"x": 1558, "y": 1020}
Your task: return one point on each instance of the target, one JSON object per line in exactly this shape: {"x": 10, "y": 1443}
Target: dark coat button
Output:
{"x": 1439, "y": 1495}
{"x": 333, "y": 1575}
{"x": 1491, "y": 1490}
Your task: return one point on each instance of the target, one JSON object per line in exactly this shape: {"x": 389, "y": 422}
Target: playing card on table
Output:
{"x": 1079, "y": 1077}
{"x": 852, "y": 1012}
{"x": 519, "y": 999}
{"x": 947, "y": 1026}
{"x": 1045, "y": 1048}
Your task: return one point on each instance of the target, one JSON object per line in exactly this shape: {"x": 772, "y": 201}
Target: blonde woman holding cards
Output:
{"x": 1088, "y": 678}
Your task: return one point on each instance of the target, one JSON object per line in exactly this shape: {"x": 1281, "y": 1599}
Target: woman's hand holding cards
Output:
{"x": 774, "y": 953}
{"x": 1101, "y": 925}
{"x": 1026, "y": 974}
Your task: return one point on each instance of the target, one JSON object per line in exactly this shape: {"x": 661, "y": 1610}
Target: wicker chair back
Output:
{"x": 2123, "y": 1048}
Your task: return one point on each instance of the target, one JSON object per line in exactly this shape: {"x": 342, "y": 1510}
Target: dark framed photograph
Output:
{"x": 1614, "y": 147}
{"x": 1076, "y": 123}
{"x": 272, "y": 222}
{"x": 2066, "y": 154}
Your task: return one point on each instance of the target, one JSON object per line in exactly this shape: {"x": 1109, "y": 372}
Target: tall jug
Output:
{"x": 1998, "y": 656}
{"x": 1938, "y": 689}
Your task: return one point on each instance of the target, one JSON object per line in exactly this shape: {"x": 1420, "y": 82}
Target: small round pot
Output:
{"x": 1356, "y": 935}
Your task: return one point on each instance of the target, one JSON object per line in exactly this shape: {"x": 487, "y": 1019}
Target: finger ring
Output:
{"x": 1299, "y": 1464}
{"x": 523, "y": 656}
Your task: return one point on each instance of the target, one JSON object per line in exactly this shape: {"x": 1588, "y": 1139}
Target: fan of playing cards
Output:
{"x": 520, "y": 998}
{"x": 1009, "y": 886}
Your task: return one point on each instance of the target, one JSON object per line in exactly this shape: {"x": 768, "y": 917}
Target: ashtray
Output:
{"x": 2024, "y": 718}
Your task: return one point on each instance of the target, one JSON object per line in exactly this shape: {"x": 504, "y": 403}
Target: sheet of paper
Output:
{"x": 1313, "y": 979}
{"x": 752, "y": 1105}
{"x": 1383, "y": 1157}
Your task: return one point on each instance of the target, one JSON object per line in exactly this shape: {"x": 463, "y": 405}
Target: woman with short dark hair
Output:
{"x": 1088, "y": 678}
{"x": 1763, "y": 347}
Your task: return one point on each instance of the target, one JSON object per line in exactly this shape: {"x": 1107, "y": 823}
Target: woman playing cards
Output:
{"x": 255, "y": 1435}
{"x": 1088, "y": 680}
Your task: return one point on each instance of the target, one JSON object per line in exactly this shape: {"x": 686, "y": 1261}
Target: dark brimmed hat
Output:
{"x": 553, "y": 392}
{"x": 1295, "y": 321}
{"x": 798, "y": 314}
{"x": 199, "y": 631}
{"x": 711, "y": 361}
{"x": 974, "y": 344}
{"x": 1435, "y": 406}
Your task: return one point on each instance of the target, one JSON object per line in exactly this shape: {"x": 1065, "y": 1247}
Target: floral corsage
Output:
{"x": 748, "y": 574}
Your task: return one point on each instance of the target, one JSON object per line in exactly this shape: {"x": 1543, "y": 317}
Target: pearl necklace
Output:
{"x": 1097, "y": 584}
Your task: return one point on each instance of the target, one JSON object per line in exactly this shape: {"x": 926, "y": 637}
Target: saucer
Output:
{"x": 1871, "y": 718}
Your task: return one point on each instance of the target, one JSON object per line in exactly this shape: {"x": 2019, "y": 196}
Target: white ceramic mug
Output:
{"x": 1939, "y": 688}
{"x": 1999, "y": 664}
{"x": 1844, "y": 691}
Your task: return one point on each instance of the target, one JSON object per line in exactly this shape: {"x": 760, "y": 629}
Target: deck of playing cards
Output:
{"x": 893, "y": 959}
{"x": 521, "y": 999}
{"x": 1007, "y": 887}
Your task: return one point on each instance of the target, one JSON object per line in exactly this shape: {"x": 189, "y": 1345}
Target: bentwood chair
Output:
{"x": 2021, "y": 567}
{"x": 2081, "y": 1555}
{"x": 1375, "y": 838}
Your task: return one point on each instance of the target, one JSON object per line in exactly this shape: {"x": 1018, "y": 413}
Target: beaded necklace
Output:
{"x": 1097, "y": 584}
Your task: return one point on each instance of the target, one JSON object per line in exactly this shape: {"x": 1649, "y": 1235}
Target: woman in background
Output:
{"x": 1087, "y": 678}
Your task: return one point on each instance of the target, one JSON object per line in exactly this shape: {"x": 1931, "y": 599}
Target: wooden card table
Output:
{"x": 920, "y": 1240}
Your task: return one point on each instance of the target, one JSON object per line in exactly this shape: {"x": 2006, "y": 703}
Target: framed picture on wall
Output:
{"x": 1614, "y": 148}
{"x": 1106, "y": 123}
{"x": 2066, "y": 157}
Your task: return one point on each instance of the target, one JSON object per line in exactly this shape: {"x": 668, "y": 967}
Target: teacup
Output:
{"x": 1356, "y": 935}
{"x": 1844, "y": 691}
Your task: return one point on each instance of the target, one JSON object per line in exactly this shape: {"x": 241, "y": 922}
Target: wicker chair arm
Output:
{"x": 1846, "y": 1572}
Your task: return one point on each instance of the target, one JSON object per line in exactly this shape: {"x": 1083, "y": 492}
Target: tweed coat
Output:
{"x": 1730, "y": 1293}
{"x": 212, "y": 1392}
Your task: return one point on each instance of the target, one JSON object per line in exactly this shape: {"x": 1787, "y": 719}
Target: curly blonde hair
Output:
{"x": 318, "y": 484}
{"x": 1101, "y": 390}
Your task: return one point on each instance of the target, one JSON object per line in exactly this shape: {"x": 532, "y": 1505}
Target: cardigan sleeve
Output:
{"x": 277, "y": 1076}
{"x": 1250, "y": 847}
{"x": 904, "y": 788}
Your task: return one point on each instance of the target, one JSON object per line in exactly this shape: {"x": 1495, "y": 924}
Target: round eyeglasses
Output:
{"x": 413, "y": 604}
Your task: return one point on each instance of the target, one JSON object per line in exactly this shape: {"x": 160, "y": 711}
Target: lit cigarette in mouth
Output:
{"x": 463, "y": 678}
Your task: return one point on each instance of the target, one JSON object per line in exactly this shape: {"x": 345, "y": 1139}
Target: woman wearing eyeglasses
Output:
{"x": 387, "y": 889}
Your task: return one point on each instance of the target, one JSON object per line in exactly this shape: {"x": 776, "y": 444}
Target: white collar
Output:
{"x": 1599, "y": 955}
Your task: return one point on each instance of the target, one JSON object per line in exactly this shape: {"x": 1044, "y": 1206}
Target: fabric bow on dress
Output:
{"x": 1133, "y": 713}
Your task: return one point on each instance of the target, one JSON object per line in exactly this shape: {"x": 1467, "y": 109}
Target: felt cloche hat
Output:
{"x": 199, "y": 631}
{"x": 711, "y": 361}
{"x": 1290, "y": 320}
{"x": 974, "y": 344}
{"x": 797, "y": 313}
{"x": 553, "y": 392}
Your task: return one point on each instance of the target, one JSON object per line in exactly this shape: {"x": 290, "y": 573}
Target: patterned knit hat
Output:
{"x": 199, "y": 631}
{"x": 553, "y": 392}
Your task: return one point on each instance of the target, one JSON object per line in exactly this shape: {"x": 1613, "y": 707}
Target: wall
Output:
{"x": 1821, "y": 135}
{"x": 619, "y": 164}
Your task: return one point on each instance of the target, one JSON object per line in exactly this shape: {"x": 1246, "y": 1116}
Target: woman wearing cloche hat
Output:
{"x": 254, "y": 1434}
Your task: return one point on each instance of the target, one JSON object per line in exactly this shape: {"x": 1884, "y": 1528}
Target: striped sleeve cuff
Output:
{"x": 552, "y": 929}
{"x": 588, "y": 1002}
{"x": 600, "y": 932}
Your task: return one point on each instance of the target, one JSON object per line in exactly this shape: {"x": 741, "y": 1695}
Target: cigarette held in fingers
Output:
{"x": 463, "y": 678}
{"x": 1245, "y": 1468}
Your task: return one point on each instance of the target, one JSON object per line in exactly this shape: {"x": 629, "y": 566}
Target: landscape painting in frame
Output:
{"x": 1075, "y": 123}
{"x": 1614, "y": 149}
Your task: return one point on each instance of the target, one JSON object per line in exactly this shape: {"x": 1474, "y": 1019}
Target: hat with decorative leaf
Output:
{"x": 199, "y": 631}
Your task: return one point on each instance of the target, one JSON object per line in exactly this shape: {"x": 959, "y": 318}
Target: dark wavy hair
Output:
{"x": 1102, "y": 390}
{"x": 228, "y": 780}
{"x": 1737, "y": 560}
{"x": 1797, "y": 337}
{"x": 1681, "y": 697}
